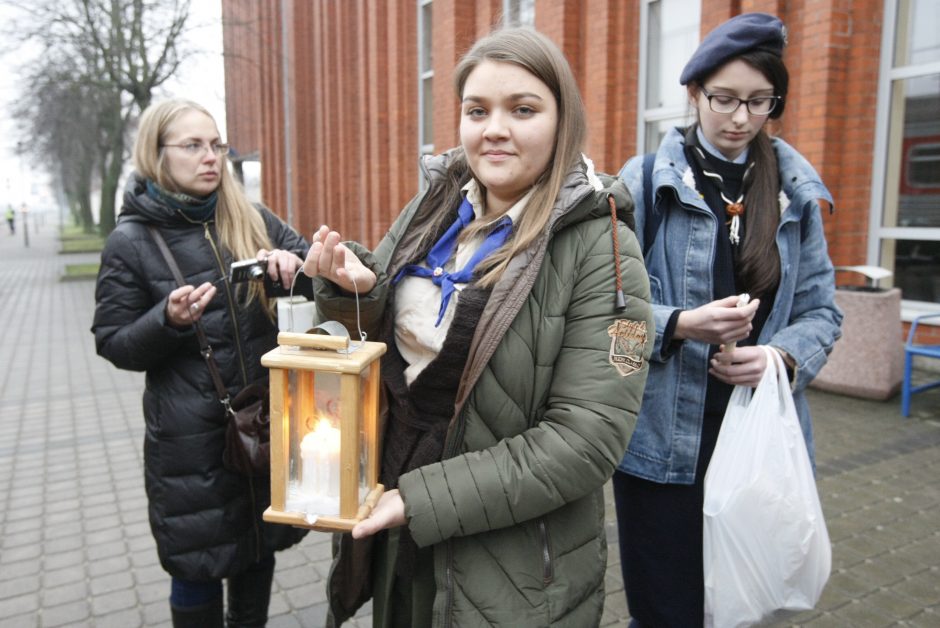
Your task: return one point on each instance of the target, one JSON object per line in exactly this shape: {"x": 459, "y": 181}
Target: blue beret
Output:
{"x": 748, "y": 31}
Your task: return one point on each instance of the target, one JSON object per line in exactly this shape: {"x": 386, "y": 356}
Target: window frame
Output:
{"x": 647, "y": 116}
{"x": 879, "y": 236}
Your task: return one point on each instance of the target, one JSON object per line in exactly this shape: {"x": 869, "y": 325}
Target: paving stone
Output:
{"x": 106, "y": 566}
{"x": 61, "y": 530}
{"x": 153, "y": 573}
{"x": 74, "y": 591}
{"x": 103, "y": 603}
{"x": 66, "y": 575}
{"x": 131, "y": 616}
{"x": 105, "y": 550}
{"x": 25, "y": 620}
{"x": 63, "y": 544}
{"x": 152, "y": 592}
{"x": 306, "y": 595}
{"x": 11, "y": 570}
{"x": 296, "y": 576}
{"x": 157, "y": 613}
{"x": 71, "y": 614}
{"x": 18, "y": 539}
{"x": 52, "y": 562}
{"x": 19, "y": 586}
{"x": 19, "y": 605}
{"x": 110, "y": 584}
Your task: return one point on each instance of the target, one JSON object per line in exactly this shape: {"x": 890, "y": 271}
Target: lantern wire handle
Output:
{"x": 290, "y": 312}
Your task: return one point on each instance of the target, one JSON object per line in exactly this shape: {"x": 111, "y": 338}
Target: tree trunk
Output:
{"x": 110, "y": 176}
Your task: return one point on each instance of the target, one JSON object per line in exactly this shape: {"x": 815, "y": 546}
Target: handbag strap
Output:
{"x": 204, "y": 348}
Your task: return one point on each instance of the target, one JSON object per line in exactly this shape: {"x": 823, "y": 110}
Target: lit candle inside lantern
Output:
{"x": 319, "y": 451}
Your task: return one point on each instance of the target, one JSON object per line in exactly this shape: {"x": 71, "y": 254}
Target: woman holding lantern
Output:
{"x": 205, "y": 519}
{"x": 515, "y": 307}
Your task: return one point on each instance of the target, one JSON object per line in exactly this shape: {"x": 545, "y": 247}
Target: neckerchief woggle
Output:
{"x": 444, "y": 249}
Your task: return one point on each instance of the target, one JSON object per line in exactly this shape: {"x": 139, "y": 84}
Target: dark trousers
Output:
{"x": 199, "y": 604}
{"x": 660, "y": 530}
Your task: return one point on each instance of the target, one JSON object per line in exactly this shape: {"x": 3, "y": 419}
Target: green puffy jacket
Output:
{"x": 515, "y": 510}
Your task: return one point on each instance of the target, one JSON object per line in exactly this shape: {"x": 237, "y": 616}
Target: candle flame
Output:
{"x": 324, "y": 437}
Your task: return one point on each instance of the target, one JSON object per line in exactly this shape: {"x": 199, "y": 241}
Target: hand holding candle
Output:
{"x": 743, "y": 299}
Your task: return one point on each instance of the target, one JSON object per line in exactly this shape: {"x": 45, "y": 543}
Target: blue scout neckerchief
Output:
{"x": 444, "y": 249}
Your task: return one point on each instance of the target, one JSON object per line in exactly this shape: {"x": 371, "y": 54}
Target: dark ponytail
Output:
{"x": 759, "y": 258}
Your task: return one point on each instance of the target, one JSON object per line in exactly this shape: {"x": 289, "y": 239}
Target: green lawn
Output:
{"x": 74, "y": 240}
{"x": 77, "y": 272}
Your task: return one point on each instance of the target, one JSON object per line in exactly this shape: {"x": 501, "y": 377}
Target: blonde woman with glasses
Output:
{"x": 205, "y": 519}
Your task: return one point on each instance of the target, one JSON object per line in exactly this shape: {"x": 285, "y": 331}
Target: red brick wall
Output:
{"x": 353, "y": 96}
{"x": 241, "y": 49}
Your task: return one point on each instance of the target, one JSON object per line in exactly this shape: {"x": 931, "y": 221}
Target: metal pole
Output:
{"x": 25, "y": 212}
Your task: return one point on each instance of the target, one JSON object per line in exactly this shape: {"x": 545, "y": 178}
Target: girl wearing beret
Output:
{"x": 732, "y": 211}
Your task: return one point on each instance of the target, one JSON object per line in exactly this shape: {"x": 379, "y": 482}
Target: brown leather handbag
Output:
{"x": 248, "y": 431}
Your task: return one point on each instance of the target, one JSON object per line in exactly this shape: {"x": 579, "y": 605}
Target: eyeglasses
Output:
{"x": 760, "y": 106}
{"x": 196, "y": 148}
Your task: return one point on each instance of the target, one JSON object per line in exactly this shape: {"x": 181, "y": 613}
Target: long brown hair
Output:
{"x": 240, "y": 226}
{"x": 759, "y": 258}
{"x": 538, "y": 55}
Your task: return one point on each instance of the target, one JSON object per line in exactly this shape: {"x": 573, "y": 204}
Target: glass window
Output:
{"x": 672, "y": 34}
{"x": 519, "y": 12}
{"x": 906, "y": 192}
{"x": 917, "y": 269}
{"x": 425, "y": 80}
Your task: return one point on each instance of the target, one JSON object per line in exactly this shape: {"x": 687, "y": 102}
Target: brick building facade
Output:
{"x": 327, "y": 94}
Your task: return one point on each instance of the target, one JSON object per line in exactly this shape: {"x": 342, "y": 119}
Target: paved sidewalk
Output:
{"x": 76, "y": 549}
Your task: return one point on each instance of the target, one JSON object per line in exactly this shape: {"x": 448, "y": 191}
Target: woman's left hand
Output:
{"x": 388, "y": 513}
{"x": 742, "y": 365}
{"x": 282, "y": 265}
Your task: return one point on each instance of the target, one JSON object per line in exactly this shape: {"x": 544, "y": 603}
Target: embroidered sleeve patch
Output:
{"x": 627, "y": 340}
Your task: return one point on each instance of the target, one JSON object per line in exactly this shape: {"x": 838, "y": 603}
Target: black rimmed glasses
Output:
{"x": 759, "y": 106}
{"x": 197, "y": 148}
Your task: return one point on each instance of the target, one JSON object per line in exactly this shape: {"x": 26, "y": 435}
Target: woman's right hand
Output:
{"x": 185, "y": 305}
{"x": 330, "y": 259}
{"x": 718, "y": 322}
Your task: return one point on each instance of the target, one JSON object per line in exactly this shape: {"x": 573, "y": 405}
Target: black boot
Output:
{"x": 205, "y": 616}
{"x": 249, "y": 594}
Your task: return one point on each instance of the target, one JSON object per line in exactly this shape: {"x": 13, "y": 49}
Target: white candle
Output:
{"x": 319, "y": 452}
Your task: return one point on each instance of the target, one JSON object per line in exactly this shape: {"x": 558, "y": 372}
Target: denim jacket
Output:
{"x": 804, "y": 321}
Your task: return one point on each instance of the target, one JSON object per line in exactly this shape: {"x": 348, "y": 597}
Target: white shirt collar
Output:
{"x": 474, "y": 195}
{"x": 740, "y": 159}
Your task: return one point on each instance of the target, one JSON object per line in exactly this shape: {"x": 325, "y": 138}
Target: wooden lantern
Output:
{"x": 325, "y": 431}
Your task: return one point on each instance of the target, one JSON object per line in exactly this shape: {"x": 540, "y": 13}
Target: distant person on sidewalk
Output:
{"x": 206, "y": 520}
{"x": 729, "y": 210}
{"x": 11, "y": 219}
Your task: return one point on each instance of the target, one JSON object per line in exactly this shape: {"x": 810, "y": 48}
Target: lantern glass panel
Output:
{"x": 314, "y": 458}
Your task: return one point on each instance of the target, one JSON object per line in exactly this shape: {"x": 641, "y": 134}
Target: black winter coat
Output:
{"x": 205, "y": 519}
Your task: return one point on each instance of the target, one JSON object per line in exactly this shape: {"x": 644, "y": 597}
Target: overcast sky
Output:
{"x": 201, "y": 78}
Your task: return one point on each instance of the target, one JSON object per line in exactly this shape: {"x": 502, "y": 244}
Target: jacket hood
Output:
{"x": 582, "y": 181}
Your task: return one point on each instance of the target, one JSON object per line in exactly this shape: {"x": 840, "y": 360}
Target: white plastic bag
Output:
{"x": 766, "y": 548}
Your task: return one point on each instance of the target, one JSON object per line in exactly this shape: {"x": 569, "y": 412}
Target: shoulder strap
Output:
{"x": 653, "y": 216}
{"x": 205, "y": 348}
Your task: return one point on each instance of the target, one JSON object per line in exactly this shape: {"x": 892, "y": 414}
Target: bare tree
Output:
{"x": 64, "y": 120}
{"x": 121, "y": 50}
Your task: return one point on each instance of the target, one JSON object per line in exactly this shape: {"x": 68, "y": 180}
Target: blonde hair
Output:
{"x": 539, "y": 56}
{"x": 240, "y": 226}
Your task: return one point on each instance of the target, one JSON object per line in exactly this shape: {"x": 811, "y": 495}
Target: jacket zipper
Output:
{"x": 548, "y": 567}
{"x": 232, "y": 313}
{"x": 241, "y": 365}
